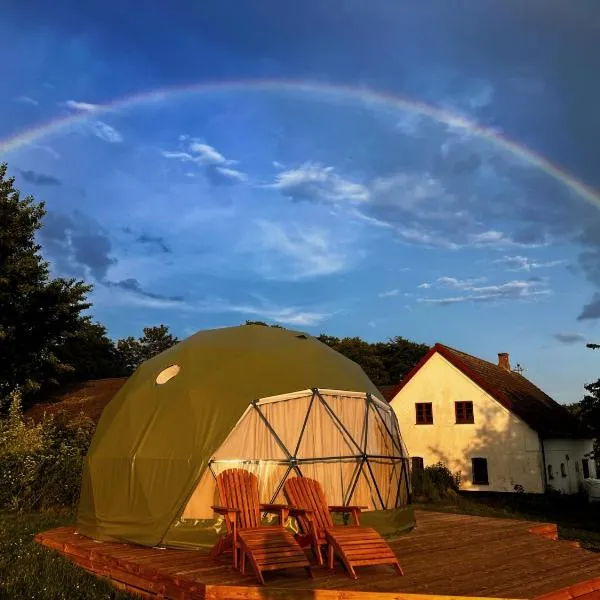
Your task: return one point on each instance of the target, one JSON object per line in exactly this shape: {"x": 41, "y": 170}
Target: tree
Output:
{"x": 90, "y": 353}
{"x": 588, "y": 412}
{"x": 37, "y": 313}
{"x": 588, "y": 409}
{"x": 263, "y": 324}
{"x": 131, "y": 352}
{"x": 384, "y": 362}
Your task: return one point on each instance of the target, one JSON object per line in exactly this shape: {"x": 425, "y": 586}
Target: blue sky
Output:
{"x": 328, "y": 211}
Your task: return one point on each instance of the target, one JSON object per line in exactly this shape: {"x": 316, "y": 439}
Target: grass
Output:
{"x": 576, "y": 520}
{"x": 29, "y": 571}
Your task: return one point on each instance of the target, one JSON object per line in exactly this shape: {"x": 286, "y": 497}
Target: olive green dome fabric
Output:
{"x": 153, "y": 441}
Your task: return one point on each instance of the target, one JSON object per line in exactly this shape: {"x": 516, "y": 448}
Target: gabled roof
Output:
{"x": 516, "y": 393}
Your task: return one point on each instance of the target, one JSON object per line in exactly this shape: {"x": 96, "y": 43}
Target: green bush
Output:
{"x": 434, "y": 483}
{"x": 41, "y": 464}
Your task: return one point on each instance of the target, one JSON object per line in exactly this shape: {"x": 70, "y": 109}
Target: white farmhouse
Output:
{"x": 491, "y": 424}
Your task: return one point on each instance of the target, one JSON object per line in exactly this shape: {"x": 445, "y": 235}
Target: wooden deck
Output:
{"x": 445, "y": 555}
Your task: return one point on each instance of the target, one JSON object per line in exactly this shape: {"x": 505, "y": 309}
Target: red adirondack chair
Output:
{"x": 268, "y": 548}
{"x": 355, "y": 545}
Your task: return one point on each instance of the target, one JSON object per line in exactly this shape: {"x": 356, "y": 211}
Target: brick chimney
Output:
{"x": 503, "y": 361}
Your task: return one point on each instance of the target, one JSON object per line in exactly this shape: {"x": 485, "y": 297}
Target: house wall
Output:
{"x": 511, "y": 447}
{"x": 570, "y": 454}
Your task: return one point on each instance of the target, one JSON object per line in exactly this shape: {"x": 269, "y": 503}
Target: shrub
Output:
{"x": 434, "y": 483}
{"x": 41, "y": 464}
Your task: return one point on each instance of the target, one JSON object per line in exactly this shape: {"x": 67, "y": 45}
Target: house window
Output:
{"x": 464, "y": 412}
{"x": 424, "y": 412}
{"x": 586, "y": 468}
{"x": 563, "y": 471}
{"x": 480, "y": 471}
{"x": 417, "y": 463}
{"x": 550, "y": 476}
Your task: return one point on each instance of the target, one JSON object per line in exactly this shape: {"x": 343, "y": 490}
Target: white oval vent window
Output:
{"x": 167, "y": 374}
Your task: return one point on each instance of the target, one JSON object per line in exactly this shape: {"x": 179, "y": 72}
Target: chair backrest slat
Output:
{"x": 238, "y": 489}
{"x": 306, "y": 493}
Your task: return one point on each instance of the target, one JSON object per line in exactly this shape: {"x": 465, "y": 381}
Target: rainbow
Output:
{"x": 324, "y": 92}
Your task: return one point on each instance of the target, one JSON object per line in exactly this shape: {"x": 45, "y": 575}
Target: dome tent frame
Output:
{"x": 374, "y": 409}
{"x": 146, "y": 477}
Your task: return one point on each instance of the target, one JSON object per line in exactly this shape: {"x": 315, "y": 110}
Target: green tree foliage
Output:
{"x": 132, "y": 352}
{"x": 262, "y": 323}
{"x": 384, "y": 363}
{"x": 588, "y": 412}
{"x": 434, "y": 483}
{"x": 90, "y": 353}
{"x": 41, "y": 463}
{"x": 37, "y": 313}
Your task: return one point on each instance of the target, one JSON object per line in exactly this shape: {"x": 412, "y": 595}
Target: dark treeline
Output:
{"x": 48, "y": 338}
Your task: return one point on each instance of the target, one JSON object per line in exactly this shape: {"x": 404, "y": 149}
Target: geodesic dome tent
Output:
{"x": 269, "y": 400}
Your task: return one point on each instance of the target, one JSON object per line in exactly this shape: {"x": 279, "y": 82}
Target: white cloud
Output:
{"x": 287, "y": 315}
{"x": 459, "y": 284}
{"x": 27, "y": 100}
{"x": 207, "y": 155}
{"x": 81, "y": 106}
{"x": 429, "y": 239}
{"x": 409, "y": 123}
{"x": 177, "y": 155}
{"x": 295, "y": 252}
{"x": 496, "y": 239}
{"x": 408, "y": 190}
{"x": 482, "y": 95}
{"x": 106, "y": 132}
{"x": 424, "y": 286}
{"x": 432, "y": 238}
{"x": 232, "y": 173}
{"x": 371, "y": 220}
{"x": 317, "y": 183}
{"x": 522, "y": 263}
{"x": 278, "y": 165}
{"x": 511, "y": 290}
{"x": 389, "y": 293}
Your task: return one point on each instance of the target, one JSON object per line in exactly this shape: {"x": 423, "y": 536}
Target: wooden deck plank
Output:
{"x": 446, "y": 554}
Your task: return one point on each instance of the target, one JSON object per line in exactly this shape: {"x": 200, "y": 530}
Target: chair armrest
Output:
{"x": 273, "y": 507}
{"x": 223, "y": 510}
{"x": 279, "y": 509}
{"x": 301, "y": 512}
{"x": 353, "y": 510}
{"x": 231, "y": 517}
{"x": 346, "y": 509}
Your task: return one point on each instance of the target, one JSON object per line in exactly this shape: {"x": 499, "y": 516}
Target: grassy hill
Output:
{"x": 89, "y": 398}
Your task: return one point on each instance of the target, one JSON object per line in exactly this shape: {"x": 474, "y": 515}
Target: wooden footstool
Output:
{"x": 359, "y": 546}
{"x": 270, "y": 549}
